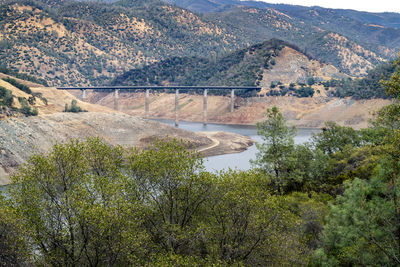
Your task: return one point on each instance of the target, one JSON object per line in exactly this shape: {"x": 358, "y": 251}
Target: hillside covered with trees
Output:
{"x": 388, "y": 20}
{"x": 241, "y": 68}
{"x": 246, "y": 67}
{"x": 340, "y": 31}
{"x": 77, "y": 43}
{"x": 365, "y": 88}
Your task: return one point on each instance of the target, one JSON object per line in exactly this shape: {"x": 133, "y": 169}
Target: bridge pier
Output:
{"x": 205, "y": 107}
{"x": 155, "y": 88}
{"x": 147, "y": 103}
{"x": 84, "y": 94}
{"x": 116, "y": 96}
{"x": 176, "y": 107}
{"x": 232, "y": 100}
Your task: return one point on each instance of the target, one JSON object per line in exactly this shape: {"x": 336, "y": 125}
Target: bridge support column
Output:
{"x": 116, "y": 96}
{"x": 232, "y": 100}
{"x": 177, "y": 108}
{"x": 205, "y": 107}
{"x": 147, "y": 103}
{"x": 83, "y": 94}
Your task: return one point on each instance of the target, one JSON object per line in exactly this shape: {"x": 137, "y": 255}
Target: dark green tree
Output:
{"x": 174, "y": 189}
{"x": 73, "y": 204}
{"x": 15, "y": 249}
{"x": 363, "y": 225}
{"x": 6, "y": 97}
{"x": 275, "y": 154}
{"x": 334, "y": 138}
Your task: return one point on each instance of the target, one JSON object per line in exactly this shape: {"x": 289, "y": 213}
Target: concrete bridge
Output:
{"x": 205, "y": 89}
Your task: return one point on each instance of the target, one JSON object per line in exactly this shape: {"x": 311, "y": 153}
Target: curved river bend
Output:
{"x": 241, "y": 160}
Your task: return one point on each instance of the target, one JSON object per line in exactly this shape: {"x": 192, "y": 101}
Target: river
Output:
{"x": 240, "y": 161}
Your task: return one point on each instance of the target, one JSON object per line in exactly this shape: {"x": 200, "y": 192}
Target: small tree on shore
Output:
{"x": 275, "y": 154}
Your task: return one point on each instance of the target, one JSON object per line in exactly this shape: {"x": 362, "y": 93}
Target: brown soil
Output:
{"x": 293, "y": 67}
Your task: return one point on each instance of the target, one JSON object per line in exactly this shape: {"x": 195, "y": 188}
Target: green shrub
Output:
{"x": 6, "y": 97}
{"x": 304, "y": 92}
{"x": 74, "y": 107}
{"x": 26, "y": 109}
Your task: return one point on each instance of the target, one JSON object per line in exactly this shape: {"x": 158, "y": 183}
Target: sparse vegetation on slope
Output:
{"x": 73, "y": 107}
{"x": 22, "y": 76}
{"x": 6, "y": 97}
{"x": 7, "y": 103}
{"x": 88, "y": 43}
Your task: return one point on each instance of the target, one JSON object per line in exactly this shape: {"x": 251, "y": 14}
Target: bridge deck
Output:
{"x": 162, "y": 88}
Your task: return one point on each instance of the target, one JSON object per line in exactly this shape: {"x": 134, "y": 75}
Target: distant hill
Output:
{"x": 277, "y": 66}
{"x": 68, "y": 42}
{"x": 386, "y": 19}
{"x": 362, "y": 27}
{"x": 257, "y": 65}
{"x": 376, "y": 32}
{"x": 328, "y": 46}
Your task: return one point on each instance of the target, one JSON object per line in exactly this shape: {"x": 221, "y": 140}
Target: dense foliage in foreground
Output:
{"x": 86, "y": 203}
{"x": 332, "y": 202}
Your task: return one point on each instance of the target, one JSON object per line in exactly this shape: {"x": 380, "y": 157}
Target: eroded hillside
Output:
{"x": 291, "y": 66}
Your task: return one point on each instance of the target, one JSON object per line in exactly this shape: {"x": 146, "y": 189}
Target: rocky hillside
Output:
{"x": 89, "y": 42}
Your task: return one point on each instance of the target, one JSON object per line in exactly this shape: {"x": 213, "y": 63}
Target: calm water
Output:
{"x": 241, "y": 160}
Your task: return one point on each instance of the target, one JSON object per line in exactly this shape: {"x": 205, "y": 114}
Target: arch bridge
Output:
{"x": 205, "y": 89}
